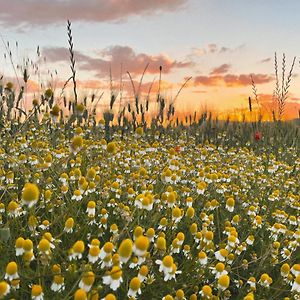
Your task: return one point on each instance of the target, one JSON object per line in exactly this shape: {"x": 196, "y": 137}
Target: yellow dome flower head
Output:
{"x": 35, "y": 102}
{"x": 166, "y": 265}
{"x": 265, "y": 280}
{"x": 296, "y": 285}
{"x": 125, "y": 250}
{"x": 141, "y": 245}
{"x": 78, "y": 249}
{"x": 36, "y": 292}
{"x": 4, "y": 289}
{"x": 58, "y": 283}
{"x": 206, "y": 292}
{"x": 285, "y": 270}
{"x": 55, "y": 111}
{"x": 30, "y": 194}
{"x": 9, "y": 86}
{"x": 19, "y": 246}
{"x": 139, "y": 131}
{"x": 79, "y": 108}
{"x": 11, "y": 272}
{"x": 77, "y": 143}
{"x": 113, "y": 278}
{"x": 87, "y": 281}
{"x": 180, "y": 294}
{"x": 48, "y": 93}
{"x": 80, "y": 294}
{"x": 143, "y": 272}
{"x": 111, "y": 147}
{"x": 69, "y": 224}
{"x": 223, "y": 282}
{"x": 44, "y": 246}
{"x": 134, "y": 287}
{"x": 161, "y": 244}
{"x": 110, "y": 297}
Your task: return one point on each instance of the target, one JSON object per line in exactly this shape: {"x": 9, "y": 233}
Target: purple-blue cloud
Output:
{"x": 113, "y": 57}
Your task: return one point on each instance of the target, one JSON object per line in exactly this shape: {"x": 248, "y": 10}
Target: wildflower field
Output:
{"x": 181, "y": 212}
{"x": 127, "y": 208}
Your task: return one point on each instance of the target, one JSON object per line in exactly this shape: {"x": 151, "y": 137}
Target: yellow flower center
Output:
{"x": 36, "y": 290}
{"x": 11, "y": 268}
{"x": 125, "y": 248}
{"x": 168, "y": 261}
{"x": 116, "y": 273}
{"x": 142, "y": 243}
{"x": 80, "y": 294}
{"x": 30, "y": 192}
{"x": 135, "y": 283}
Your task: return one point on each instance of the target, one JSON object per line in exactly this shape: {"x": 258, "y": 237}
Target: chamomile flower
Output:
{"x": 91, "y": 209}
{"x": 165, "y": 265}
{"x": 30, "y": 194}
{"x": 77, "y": 250}
{"x": 87, "y": 281}
{"x": 4, "y": 289}
{"x": 143, "y": 272}
{"x": 223, "y": 282}
{"x": 265, "y": 280}
{"x": 37, "y": 292}
{"x": 11, "y": 272}
{"x": 80, "y": 294}
{"x": 134, "y": 287}
{"x": 295, "y": 269}
{"x": 58, "y": 284}
{"x": 219, "y": 270}
{"x": 206, "y": 292}
{"x": 94, "y": 251}
{"x": 296, "y": 284}
{"x": 125, "y": 250}
{"x": 19, "y": 246}
{"x": 113, "y": 278}
{"x": 141, "y": 245}
{"x": 69, "y": 224}
{"x": 221, "y": 255}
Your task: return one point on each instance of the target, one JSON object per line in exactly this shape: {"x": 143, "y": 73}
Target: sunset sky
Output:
{"x": 220, "y": 43}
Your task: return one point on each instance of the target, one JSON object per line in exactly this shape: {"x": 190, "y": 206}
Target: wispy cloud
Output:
{"x": 231, "y": 80}
{"x": 44, "y": 12}
{"x": 265, "y": 60}
{"x": 214, "y": 49}
{"x": 224, "y": 68}
{"x": 114, "y": 57}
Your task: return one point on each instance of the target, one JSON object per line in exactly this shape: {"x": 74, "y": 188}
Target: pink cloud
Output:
{"x": 232, "y": 80}
{"x": 43, "y": 12}
{"x": 114, "y": 57}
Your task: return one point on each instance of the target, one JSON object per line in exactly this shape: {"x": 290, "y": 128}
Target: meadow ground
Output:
{"x": 205, "y": 211}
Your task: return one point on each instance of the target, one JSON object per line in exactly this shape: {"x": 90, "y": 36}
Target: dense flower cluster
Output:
{"x": 143, "y": 217}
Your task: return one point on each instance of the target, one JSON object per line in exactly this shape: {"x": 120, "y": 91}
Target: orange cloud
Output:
{"x": 232, "y": 80}
{"x": 114, "y": 57}
{"x": 37, "y": 12}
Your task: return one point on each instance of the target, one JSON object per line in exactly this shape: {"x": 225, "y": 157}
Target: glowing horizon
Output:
{"x": 217, "y": 44}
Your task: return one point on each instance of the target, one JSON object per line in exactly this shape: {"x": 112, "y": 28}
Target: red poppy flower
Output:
{"x": 258, "y": 135}
{"x": 177, "y": 149}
